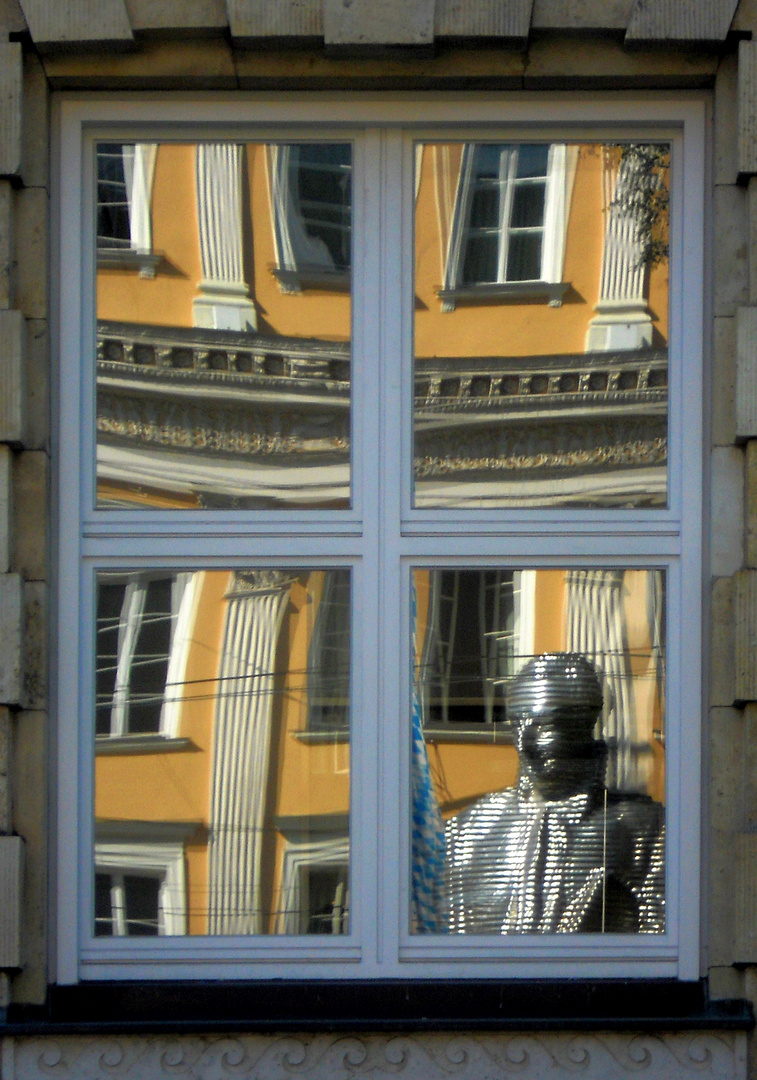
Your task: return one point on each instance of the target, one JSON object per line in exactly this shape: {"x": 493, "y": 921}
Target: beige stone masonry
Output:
{"x": 6, "y": 245}
{"x": 77, "y": 22}
{"x": 11, "y": 884}
{"x": 748, "y": 107}
{"x": 34, "y": 689}
{"x": 256, "y": 20}
{"x": 36, "y": 168}
{"x": 746, "y": 373}
{"x": 727, "y": 768}
{"x": 723, "y": 420}
{"x": 37, "y": 364}
{"x": 391, "y": 22}
{"x": 6, "y": 507}
{"x": 745, "y": 627}
{"x": 745, "y": 895}
{"x": 730, "y": 255}
{"x": 12, "y": 19}
{"x": 177, "y": 16}
{"x": 581, "y": 14}
{"x": 752, "y": 236}
{"x": 750, "y": 508}
{"x": 12, "y": 377}
{"x": 31, "y": 498}
{"x": 726, "y": 121}
{"x": 727, "y": 509}
{"x": 6, "y": 748}
{"x": 705, "y": 21}
{"x": 30, "y": 821}
{"x": 168, "y": 65}
{"x": 11, "y": 99}
{"x": 722, "y": 642}
{"x": 484, "y": 18}
{"x": 720, "y": 913}
{"x": 30, "y": 228}
{"x": 11, "y": 639}
{"x": 749, "y": 799}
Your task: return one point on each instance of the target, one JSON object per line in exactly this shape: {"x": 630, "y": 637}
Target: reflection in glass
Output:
{"x": 223, "y": 325}
{"x": 221, "y": 752}
{"x": 546, "y": 814}
{"x": 541, "y": 360}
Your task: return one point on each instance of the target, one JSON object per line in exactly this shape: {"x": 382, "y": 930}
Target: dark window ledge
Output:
{"x": 176, "y": 1007}
{"x": 552, "y": 291}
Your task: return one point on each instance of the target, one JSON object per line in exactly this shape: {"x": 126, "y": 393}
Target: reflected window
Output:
{"x": 329, "y": 657}
{"x": 113, "y": 224}
{"x": 124, "y": 192}
{"x": 126, "y": 905}
{"x": 140, "y": 889}
{"x": 327, "y": 903}
{"x": 312, "y": 194}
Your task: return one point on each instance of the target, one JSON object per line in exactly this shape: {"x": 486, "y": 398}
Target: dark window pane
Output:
{"x": 528, "y": 206}
{"x": 323, "y": 186}
{"x": 532, "y": 161}
{"x": 113, "y": 228}
{"x": 147, "y": 679}
{"x": 110, "y": 600}
{"x": 480, "y": 259}
{"x": 524, "y": 258}
{"x": 103, "y": 911}
{"x": 141, "y": 901}
{"x": 484, "y": 210}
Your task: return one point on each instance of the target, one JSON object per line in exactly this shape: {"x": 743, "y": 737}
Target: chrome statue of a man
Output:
{"x": 559, "y": 853}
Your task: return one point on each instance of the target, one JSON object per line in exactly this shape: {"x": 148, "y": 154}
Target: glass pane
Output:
{"x": 223, "y": 325}
{"x": 551, "y": 322}
{"x": 229, "y": 814}
{"x": 538, "y": 751}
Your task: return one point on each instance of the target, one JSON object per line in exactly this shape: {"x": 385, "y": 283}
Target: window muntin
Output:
{"x": 201, "y": 403}
{"x": 592, "y": 540}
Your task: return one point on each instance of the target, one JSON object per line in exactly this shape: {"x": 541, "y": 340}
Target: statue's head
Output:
{"x": 554, "y": 702}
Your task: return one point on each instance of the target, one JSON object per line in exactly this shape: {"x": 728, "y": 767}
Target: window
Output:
{"x": 381, "y": 615}
{"x": 124, "y": 228}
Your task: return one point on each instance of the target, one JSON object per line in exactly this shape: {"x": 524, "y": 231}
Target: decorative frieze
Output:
{"x": 439, "y": 1056}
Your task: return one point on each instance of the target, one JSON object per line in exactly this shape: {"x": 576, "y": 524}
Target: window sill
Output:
{"x": 144, "y": 262}
{"x": 140, "y": 744}
{"x": 552, "y": 291}
{"x": 309, "y": 277}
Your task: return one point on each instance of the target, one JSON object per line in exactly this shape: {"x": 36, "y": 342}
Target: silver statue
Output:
{"x": 559, "y": 853}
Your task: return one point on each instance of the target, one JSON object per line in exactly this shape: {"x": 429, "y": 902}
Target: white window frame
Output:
{"x": 139, "y": 172}
{"x": 164, "y": 861}
{"x": 382, "y": 537}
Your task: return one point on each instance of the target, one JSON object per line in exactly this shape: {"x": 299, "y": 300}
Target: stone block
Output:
{"x": 731, "y": 251}
{"x": 581, "y": 14}
{"x": 35, "y": 645}
{"x": 724, "y": 382}
{"x": 724, "y": 983}
{"x": 484, "y": 19}
{"x": 36, "y": 123}
{"x": 727, "y": 510}
{"x": 37, "y": 426}
{"x": 750, "y": 769}
{"x": 191, "y": 64}
{"x": 6, "y": 750}
{"x": 67, "y": 23}
{"x": 30, "y": 232}
{"x": 752, "y": 204}
{"x": 6, "y": 508}
{"x": 11, "y": 889}
{"x": 750, "y": 503}
{"x": 745, "y": 630}
{"x": 177, "y": 16}
{"x": 726, "y": 769}
{"x": 722, "y": 643}
{"x": 592, "y": 62}
{"x": 11, "y": 102}
{"x": 746, "y": 373}
{"x": 744, "y": 884}
{"x": 720, "y": 897}
{"x": 11, "y": 638}
{"x": 258, "y": 20}
{"x": 31, "y": 499}
{"x": 365, "y": 23}
{"x": 30, "y": 820}
{"x": 726, "y": 121}
{"x": 12, "y": 377}
{"x": 6, "y": 245}
{"x": 12, "y": 19}
{"x": 747, "y": 130}
{"x": 701, "y": 21}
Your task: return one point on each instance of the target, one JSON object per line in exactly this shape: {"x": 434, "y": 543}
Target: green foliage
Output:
{"x": 646, "y": 198}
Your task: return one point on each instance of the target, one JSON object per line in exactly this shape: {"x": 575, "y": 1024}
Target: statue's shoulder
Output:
{"x": 637, "y": 810}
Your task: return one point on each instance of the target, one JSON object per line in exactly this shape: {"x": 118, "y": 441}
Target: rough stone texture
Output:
{"x": 6, "y": 245}
{"x": 727, "y": 509}
{"x": 11, "y": 882}
{"x": 30, "y": 821}
{"x": 750, "y": 769}
{"x": 725, "y": 982}
{"x": 11, "y": 639}
{"x": 752, "y": 233}
{"x": 581, "y": 14}
{"x": 70, "y": 22}
{"x": 748, "y": 107}
{"x": 165, "y": 65}
{"x": 720, "y": 920}
{"x": 730, "y": 252}
{"x": 745, "y": 897}
{"x": 746, "y": 372}
{"x": 392, "y": 22}
{"x": 31, "y": 497}
{"x": 177, "y": 16}
{"x": 37, "y": 427}
{"x": 726, "y": 769}
{"x": 723, "y": 418}
{"x": 726, "y": 121}
{"x": 30, "y": 227}
{"x": 12, "y": 19}
{"x": 255, "y": 20}
{"x": 745, "y": 629}
{"x": 11, "y": 100}
{"x": 6, "y": 749}
{"x": 35, "y": 645}
{"x": 750, "y": 508}
{"x": 722, "y": 642}
{"x": 483, "y": 18}
{"x": 6, "y": 507}
{"x": 412, "y": 1056}
{"x": 593, "y": 63}
{"x": 36, "y": 121}
{"x": 680, "y": 20}
{"x": 12, "y": 377}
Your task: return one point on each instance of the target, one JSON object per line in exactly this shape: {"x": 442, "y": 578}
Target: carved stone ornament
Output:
{"x": 591, "y": 1056}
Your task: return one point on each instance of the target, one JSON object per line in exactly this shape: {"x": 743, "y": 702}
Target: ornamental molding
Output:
{"x": 437, "y": 1056}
